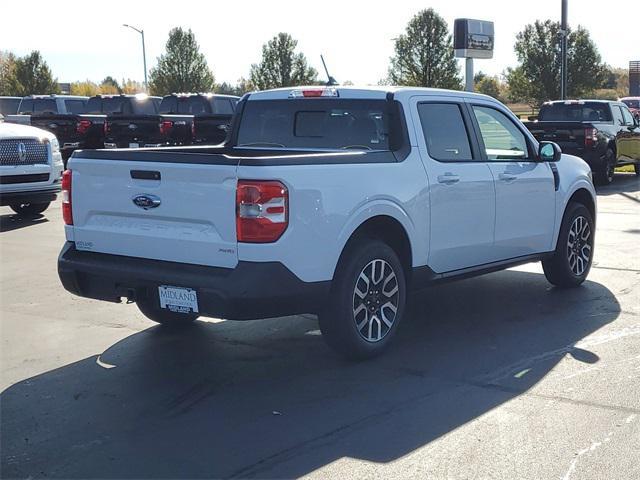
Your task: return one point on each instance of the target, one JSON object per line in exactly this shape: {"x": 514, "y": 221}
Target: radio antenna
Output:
{"x": 331, "y": 81}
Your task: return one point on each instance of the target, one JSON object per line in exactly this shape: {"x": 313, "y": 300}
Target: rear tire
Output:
{"x": 366, "y": 302}
{"x": 29, "y": 209}
{"x": 149, "y": 306}
{"x": 606, "y": 176}
{"x": 572, "y": 259}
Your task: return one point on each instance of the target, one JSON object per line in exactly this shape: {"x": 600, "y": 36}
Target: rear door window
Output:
{"x": 618, "y": 119}
{"x": 445, "y": 132}
{"x": 628, "y": 118}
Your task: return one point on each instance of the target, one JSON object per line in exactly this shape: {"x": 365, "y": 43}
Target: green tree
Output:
{"x": 182, "y": 68}
{"x": 86, "y": 88}
{"x": 489, "y": 86}
{"x": 424, "y": 54}
{"x": 110, "y": 86}
{"x": 281, "y": 66}
{"x": 243, "y": 86}
{"x": 33, "y": 76}
{"x": 129, "y": 86}
{"x": 8, "y": 82}
{"x": 538, "y": 50}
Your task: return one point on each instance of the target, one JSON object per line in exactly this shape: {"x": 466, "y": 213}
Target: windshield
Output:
{"x": 632, "y": 103}
{"x": 315, "y": 124}
{"x": 575, "y": 112}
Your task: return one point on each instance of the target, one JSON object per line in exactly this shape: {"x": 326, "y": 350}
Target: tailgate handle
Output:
{"x": 145, "y": 174}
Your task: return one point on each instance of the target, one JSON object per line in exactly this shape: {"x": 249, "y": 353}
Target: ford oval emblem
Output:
{"x": 146, "y": 201}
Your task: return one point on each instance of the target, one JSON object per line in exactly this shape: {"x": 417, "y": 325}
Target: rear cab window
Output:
{"x": 445, "y": 132}
{"x": 316, "y": 124}
{"x": 75, "y": 106}
{"x": 575, "y": 112}
{"x": 631, "y": 103}
{"x": 38, "y": 105}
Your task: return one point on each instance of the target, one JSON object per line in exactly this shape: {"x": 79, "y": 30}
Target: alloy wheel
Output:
{"x": 375, "y": 300}
{"x": 579, "y": 246}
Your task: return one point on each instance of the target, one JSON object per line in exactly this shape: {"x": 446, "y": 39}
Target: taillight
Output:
{"x": 193, "y": 130}
{"x": 106, "y": 128}
{"x": 165, "y": 126}
{"x": 590, "y": 137}
{"x": 262, "y": 211}
{"x": 83, "y": 126}
{"x": 67, "y": 213}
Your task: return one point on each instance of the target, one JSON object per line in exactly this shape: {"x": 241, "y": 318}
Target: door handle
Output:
{"x": 448, "y": 178}
{"x": 506, "y": 177}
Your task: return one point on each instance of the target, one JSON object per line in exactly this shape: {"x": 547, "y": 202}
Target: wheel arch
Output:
{"x": 387, "y": 228}
{"x": 583, "y": 196}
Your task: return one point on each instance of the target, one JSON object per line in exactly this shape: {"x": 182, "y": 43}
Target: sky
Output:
{"x": 86, "y": 40}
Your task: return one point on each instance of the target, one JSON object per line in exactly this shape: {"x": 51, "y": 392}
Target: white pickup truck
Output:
{"x": 335, "y": 201}
{"x": 30, "y": 168}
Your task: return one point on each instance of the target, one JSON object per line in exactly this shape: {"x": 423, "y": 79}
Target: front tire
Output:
{"x": 29, "y": 209}
{"x": 572, "y": 259}
{"x": 367, "y": 300}
{"x": 149, "y": 306}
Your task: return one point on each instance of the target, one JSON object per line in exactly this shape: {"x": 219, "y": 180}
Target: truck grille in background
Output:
{"x": 31, "y": 178}
{"x": 35, "y": 152}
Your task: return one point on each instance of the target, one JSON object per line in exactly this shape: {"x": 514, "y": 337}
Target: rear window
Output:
{"x": 185, "y": 105}
{"x": 632, "y": 103}
{"x": 9, "y": 106}
{"x": 75, "y": 106}
{"x": 145, "y": 106}
{"x": 104, "y": 105}
{"x": 316, "y": 124}
{"x": 575, "y": 112}
{"x": 38, "y": 105}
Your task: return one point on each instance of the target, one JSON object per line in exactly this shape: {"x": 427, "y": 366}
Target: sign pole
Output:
{"x": 468, "y": 74}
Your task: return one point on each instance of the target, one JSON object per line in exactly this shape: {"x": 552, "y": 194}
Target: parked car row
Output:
{"x": 605, "y": 134}
{"x": 130, "y": 121}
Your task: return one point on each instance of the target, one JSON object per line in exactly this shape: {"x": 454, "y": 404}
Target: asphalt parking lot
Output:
{"x": 499, "y": 376}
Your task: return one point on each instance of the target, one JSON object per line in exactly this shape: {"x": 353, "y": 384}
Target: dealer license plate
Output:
{"x": 178, "y": 299}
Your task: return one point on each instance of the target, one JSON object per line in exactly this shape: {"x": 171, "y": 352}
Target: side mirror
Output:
{"x": 549, "y": 152}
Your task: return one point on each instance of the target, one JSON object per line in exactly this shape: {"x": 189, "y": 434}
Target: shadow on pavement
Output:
{"x": 623, "y": 183}
{"x": 267, "y": 399}
{"x": 14, "y": 222}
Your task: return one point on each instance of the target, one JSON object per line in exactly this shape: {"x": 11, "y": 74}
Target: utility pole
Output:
{"x": 144, "y": 54}
{"x": 563, "y": 51}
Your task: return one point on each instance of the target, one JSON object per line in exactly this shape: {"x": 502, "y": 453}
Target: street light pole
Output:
{"x": 144, "y": 54}
{"x": 563, "y": 52}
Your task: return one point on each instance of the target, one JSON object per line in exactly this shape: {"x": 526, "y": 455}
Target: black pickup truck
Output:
{"x": 603, "y": 133}
{"x": 81, "y": 129}
{"x": 139, "y": 123}
{"x": 211, "y": 113}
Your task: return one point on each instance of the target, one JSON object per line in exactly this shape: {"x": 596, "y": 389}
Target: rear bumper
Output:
{"x": 33, "y": 196}
{"x": 250, "y": 291}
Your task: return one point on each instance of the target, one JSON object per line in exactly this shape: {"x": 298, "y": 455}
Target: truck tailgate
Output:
{"x": 569, "y": 135}
{"x": 194, "y": 221}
